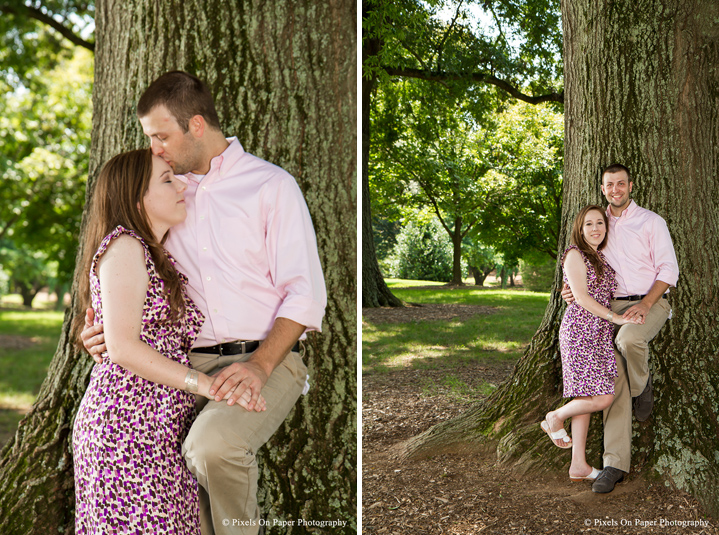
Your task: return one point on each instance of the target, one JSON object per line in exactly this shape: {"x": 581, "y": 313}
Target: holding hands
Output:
{"x": 236, "y": 386}
{"x": 240, "y": 382}
{"x": 636, "y": 319}
{"x": 634, "y": 315}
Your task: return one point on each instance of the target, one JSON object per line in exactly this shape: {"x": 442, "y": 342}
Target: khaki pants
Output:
{"x": 221, "y": 445}
{"x": 632, "y": 354}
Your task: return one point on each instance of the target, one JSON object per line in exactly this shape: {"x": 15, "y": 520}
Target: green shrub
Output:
{"x": 537, "y": 273}
{"x": 423, "y": 252}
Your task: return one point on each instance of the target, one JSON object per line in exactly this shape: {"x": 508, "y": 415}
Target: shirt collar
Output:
{"x": 628, "y": 211}
{"x": 222, "y": 162}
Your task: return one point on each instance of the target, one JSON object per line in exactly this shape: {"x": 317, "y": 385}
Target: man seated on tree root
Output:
{"x": 249, "y": 250}
{"x": 640, "y": 250}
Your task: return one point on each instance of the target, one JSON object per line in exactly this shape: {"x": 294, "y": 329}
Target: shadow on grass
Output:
{"x": 489, "y": 339}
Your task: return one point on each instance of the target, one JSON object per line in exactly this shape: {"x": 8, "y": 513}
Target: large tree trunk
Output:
{"x": 642, "y": 88}
{"x": 284, "y": 79}
{"x": 456, "y": 236}
{"x": 375, "y": 292}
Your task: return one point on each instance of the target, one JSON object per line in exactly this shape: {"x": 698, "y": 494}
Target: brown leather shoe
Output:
{"x": 644, "y": 402}
{"x": 606, "y": 479}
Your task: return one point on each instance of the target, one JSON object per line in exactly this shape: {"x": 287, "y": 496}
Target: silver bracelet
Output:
{"x": 191, "y": 380}
{"x": 610, "y": 316}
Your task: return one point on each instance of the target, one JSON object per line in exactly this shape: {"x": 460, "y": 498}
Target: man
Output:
{"x": 249, "y": 250}
{"x": 640, "y": 250}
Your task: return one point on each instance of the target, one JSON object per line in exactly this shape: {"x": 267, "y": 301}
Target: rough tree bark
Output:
{"x": 641, "y": 88}
{"x": 375, "y": 292}
{"x": 284, "y": 79}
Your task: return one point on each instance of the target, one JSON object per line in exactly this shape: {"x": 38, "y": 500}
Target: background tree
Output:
{"x": 642, "y": 89}
{"x": 43, "y": 164}
{"x": 523, "y": 214}
{"x": 284, "y": 78}
{"x": 437, "y": 149}
{"x": 27, "y": 271}
{"x": 481, "y": 260}
{"x": 520, "y": 53}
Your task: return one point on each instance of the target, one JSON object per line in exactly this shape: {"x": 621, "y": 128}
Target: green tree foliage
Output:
{"x": 35, "y": 35}
{"x": 27, "y": 271}
{"x": 423, "y": 252}
{"x": 481, "y": 260}
{"x": 523, "y": 213}
{"x": 495, "y": 177}
{"x": 43, "y": 162}
{"x": 431, "y": 152}
{"x": 515, "y": 45}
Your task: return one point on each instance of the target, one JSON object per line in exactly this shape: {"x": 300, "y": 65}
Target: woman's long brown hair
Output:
{"x": 119, "y": 189}
{"x": 578, "y": 238}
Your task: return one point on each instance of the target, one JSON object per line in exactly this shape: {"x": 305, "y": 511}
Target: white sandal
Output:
{"x": 591, "y": 477}
{"x": 557, "y": 435}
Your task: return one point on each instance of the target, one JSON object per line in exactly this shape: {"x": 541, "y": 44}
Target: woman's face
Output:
{"x": 164, "y": 201}
{"x": 594, "y": 228}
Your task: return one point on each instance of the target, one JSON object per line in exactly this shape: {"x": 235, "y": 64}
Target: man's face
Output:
{"x": 167, "y": 140}
{"x": 616, "y": 188}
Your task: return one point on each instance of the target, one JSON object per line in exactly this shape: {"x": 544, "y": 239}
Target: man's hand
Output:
{"x": 93, "y": 336}
{"x": 242, "y": 377}
{"x": 205, "y": 384}
{"x": 567, "y": 294}
{"x": 637, "y": 312}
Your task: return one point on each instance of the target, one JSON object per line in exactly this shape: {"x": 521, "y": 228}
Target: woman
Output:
{"x": 585, "y": 338}
{"x": 129, "y": 472}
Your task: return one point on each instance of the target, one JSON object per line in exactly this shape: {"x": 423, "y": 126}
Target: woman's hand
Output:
{"x": 622, "y": 320}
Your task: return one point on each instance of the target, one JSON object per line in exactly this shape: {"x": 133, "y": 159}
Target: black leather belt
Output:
{"x": 635, "y": 297}
{"x": 236, "y": 348}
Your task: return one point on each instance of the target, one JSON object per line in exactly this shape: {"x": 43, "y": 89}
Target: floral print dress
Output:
{"x": 585, "y": 341}
{"x": 130, "y": 476}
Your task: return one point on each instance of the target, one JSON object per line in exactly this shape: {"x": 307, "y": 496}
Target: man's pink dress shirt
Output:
{"x": 640, "y": 250}
{"x": 248, "y": 248}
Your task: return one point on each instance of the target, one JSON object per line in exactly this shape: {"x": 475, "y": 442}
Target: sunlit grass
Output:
{"x": 23, "y": 369}
{"x": 486, "y": 338}
{"x": 406, "y": 283}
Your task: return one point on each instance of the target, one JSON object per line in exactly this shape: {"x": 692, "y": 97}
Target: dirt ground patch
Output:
{"x": 467, "y": 494}
{"x": 424, "y": 312}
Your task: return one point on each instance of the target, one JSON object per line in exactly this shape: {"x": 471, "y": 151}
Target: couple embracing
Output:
{"x": 200, "y": 274}
{"x": 617, "y": 274}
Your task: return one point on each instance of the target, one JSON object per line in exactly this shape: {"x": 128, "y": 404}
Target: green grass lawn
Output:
{"x": 28, "y": 339}
{"x": 492, "y": 338}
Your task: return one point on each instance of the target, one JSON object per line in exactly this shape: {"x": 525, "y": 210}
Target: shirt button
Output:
{"x": 209, "y": 278}
{"x": 204, "y": 248}
{"x": 214, "y": 310}
{"x": 203, "y": 188}
{"x": 202, "y": 217}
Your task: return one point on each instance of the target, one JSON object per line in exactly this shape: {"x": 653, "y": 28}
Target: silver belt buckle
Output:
{"x": 244, "y": 347}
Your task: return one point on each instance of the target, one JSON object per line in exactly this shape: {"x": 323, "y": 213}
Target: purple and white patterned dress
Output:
{"x": 130, "y": 476}
{"x": 585, "y": 341}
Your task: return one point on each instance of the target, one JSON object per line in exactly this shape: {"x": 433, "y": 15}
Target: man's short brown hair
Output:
{"x": 183, "y": 95}
{"x": 616, "y": 168}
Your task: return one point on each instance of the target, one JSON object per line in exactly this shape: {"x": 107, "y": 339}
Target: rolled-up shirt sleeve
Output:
{"x": 293, "y": 258}
{"x": 665, "y": 258}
